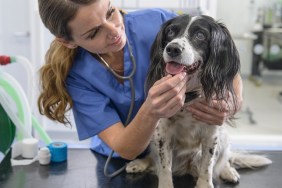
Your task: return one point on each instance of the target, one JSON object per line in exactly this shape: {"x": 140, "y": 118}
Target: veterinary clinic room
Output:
{"x": 140, "y": 94}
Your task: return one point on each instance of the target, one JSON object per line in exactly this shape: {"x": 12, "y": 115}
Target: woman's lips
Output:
{"x": 117, "y": 41}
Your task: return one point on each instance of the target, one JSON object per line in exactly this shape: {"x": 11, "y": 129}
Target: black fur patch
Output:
{"x": 211, "y": 150}
{"x": 191, "y": 96}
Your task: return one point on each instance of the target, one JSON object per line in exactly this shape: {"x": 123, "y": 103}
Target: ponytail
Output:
{"x": 54, "y": 100}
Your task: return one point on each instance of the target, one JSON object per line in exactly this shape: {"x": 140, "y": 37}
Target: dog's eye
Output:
{"x": 170, "y": 32}
{"x": 200, "y": 36}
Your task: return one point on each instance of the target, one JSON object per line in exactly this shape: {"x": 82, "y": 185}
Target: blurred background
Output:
{"x": 256, "y": 27}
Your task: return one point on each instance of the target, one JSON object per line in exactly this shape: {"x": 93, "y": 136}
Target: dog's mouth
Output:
{"x": 174, "y": 68}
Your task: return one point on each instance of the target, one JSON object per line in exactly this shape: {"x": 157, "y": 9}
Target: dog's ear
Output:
{"x": 156, "y": 69}
{"x": 222, "y": 65}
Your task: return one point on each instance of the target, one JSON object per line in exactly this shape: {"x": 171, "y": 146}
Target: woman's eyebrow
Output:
{"x": 92, "y": 29}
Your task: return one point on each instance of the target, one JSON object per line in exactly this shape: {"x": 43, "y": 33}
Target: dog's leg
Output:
{"x": 209, "y": 147}
{"x": 163, "y": 156}
{"x": 222, "y": 168}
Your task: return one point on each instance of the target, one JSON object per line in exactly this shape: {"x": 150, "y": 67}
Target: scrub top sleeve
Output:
{"x": 168, "y": 14}
{"x": 92, "y": 112}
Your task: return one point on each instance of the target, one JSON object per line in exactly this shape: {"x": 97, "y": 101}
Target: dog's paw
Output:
{"x": 203, "y": 183}
{"x": 136, "y": 166}
{"x": 230, "y": 174}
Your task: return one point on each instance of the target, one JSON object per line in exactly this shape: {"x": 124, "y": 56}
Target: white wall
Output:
{"x": 1, "y": 32}
{"x": 207, "y": 6}
{"x": 150, "y": 3}
{"x": 238, "y": 15}
{"x": 14, "y": 28}
{"x": 14, "y": 35}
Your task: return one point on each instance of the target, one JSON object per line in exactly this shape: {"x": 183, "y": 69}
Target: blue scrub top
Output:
{"x": 99, "y": 100}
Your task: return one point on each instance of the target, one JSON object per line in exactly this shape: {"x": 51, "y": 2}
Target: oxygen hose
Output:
{"x": 11, "y": 91}
{"x": 5, "y": 60}
{"x": 23, "y": 119}
{"x": 24, "y": 62}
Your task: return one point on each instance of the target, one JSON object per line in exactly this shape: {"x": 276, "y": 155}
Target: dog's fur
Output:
{"x": 182, "y": 144}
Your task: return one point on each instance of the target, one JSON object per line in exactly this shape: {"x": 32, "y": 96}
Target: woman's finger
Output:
{"x": 174, "y": 104}
{"x": 164, "y": 98}
{"x": 168, "y": 82}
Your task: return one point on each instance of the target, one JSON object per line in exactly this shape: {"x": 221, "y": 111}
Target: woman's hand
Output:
{"x": 214, "y": 113}
{"x": 167, "y": 96}
{"x": 218, "y": 111}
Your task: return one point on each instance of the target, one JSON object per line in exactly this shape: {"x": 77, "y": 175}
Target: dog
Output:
{"x": 181, "y": 144}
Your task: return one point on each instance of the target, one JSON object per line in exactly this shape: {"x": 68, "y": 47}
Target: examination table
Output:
{"x": 84, "y": 169}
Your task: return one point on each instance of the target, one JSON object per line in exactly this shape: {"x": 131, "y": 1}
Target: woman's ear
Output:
{"x": 67, "y": 43}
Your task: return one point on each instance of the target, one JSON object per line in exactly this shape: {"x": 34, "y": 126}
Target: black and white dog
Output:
{"x": 205, "y": 50}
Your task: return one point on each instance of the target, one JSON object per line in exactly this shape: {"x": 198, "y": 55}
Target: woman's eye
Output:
{"x": 93, "y": 34}
{"x": 200, "y": 36}
{"x": 110, "y": 13}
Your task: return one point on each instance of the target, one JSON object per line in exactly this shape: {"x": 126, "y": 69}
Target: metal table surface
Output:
{"x": 84, "y": 169}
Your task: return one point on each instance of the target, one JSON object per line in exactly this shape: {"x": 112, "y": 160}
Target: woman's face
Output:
{"x": 98, "y": 28}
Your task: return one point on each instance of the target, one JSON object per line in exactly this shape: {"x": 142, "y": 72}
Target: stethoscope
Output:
{"x": 129, "y": 77}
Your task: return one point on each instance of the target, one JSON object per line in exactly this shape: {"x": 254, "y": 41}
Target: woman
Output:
{"x": 96, "y": 44}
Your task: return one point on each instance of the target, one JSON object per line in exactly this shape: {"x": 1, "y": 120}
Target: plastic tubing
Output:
{"x": 30, "y": 73}
{"x": 23, "y": 121}
{"x": 22, "y": 132}
{"x": 42, "y": 133}
{"x": 5, "y": 60}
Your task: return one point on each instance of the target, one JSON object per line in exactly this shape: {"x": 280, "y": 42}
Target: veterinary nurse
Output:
{"x": 92, "y": 37}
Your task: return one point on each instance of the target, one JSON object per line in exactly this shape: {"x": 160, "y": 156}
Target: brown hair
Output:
{"x": 54, "y": 101}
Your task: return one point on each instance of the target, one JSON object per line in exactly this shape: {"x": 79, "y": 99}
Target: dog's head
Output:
{"x": 200, "y": 46}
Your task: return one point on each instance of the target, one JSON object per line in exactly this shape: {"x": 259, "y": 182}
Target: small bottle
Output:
{"x": 44, "y": 156}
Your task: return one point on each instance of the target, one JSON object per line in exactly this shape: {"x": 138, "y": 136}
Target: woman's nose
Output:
{"x": 112, "y": 31}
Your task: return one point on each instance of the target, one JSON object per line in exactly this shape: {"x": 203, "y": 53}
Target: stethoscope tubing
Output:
{"x": 129, "y": 77}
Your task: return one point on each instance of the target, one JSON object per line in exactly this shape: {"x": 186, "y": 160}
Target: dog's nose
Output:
{"x": 173, "y": 50}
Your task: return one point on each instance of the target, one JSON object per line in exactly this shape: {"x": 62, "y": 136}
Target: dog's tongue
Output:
{"x": 174, "y": 68}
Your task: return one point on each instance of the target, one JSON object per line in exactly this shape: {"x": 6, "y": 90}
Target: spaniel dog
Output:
{"x": 181, "y": 144}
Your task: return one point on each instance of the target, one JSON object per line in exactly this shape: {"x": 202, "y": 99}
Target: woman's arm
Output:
{"x": 164, "y": 99}
{"x": 218, "y": 111}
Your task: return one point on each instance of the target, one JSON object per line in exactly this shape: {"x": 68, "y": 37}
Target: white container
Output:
{"x": 44, "y": 156}
{"x": 29, "y": 148}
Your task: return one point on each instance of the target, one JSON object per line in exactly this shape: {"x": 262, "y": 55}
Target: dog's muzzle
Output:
{"x": 174, "y": 51}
